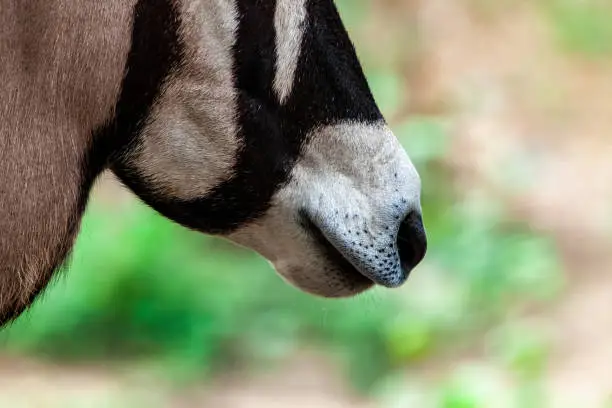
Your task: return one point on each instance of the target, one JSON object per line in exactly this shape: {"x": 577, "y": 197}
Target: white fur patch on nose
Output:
{"x": 361, "y": 162}
{"x": 356, "y": 184}
{"x": 289, "y": 24}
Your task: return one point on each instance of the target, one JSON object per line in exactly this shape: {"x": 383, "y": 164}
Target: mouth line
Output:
{"x": 332, "y": 253}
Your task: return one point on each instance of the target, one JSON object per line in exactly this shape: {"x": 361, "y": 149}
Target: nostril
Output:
{"x": 411, "y": 241}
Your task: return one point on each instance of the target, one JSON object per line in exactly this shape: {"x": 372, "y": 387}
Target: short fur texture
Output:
{"x": 249, "y": 119}
{"x": 62, "y": 62}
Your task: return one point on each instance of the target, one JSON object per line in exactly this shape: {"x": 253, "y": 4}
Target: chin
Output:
{"x": 329, "y": 282}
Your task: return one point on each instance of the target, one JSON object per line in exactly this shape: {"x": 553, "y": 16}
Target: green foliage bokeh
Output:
{"x": 139, "y": 287}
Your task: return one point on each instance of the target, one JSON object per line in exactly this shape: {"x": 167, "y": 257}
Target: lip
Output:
{"x": 333, "y": 255}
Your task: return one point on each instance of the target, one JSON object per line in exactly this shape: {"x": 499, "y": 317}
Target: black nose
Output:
{"x": 411, "y": 241}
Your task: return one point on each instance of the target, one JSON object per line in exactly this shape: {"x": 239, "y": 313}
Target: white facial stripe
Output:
{"x": 289, "y": 24}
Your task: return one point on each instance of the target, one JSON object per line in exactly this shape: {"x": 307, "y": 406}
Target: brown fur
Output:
{"x": 61, "y": 66}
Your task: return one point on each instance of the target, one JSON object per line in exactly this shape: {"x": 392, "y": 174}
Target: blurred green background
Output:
{"x": 504, "y": 108}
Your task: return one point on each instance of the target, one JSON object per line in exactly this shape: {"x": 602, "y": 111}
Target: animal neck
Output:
{"x": 62, "y": 67}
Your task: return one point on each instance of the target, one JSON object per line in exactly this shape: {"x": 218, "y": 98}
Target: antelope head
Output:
{"x": 266, "y": 133}
{"x": 247, "y": 119}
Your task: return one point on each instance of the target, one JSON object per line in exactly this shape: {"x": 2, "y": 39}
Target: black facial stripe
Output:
{"x": 156, "y": 50}
{"x": 246, "y": 195}
{"x": 329, "y": 87}
{"x": 255, "y": 49}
